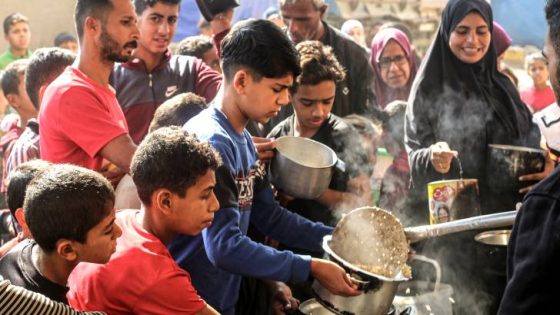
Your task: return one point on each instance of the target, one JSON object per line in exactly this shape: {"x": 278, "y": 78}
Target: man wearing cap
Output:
{"x": 154, "y": 75}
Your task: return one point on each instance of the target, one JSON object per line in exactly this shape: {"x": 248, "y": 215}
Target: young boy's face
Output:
{"x": 21, "y": 101}
{"x": 157, "y": 26}
{"x": 19, "y": 35}
{"x": 538, "y": 71}
{"x": 313, "y": 104}
{"x": 264, "y": 98}
{"x": 101, "y": 241}
{"x": 195, "y": 211}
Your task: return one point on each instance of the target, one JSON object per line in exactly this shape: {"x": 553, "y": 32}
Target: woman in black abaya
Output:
{"x": 460, "y": 103}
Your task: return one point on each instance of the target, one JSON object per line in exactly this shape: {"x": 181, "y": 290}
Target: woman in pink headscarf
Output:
{"x": 394, "y": 66}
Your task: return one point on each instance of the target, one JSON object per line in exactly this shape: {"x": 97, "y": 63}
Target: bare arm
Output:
{"x": 119, "y": 151}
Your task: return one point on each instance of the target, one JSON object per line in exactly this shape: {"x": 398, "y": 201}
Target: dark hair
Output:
{"x": 318, "y": 63}
{"x": 141, "y": 5}
{"x": 261, "y": 48}
{"x": 552, "y": 12}
{"x": 170, "y": 158}
{"x": 10, "y": 77}
{"x": 18, "y": 180}
{"x": 177, "y": 110}
{"x": 95, "y": 8}
{"x": 64, "y": 37}
{"x": 393, "y": 121}
{"x": 44, "y": 66}
{"x": 65, "y": 202}
{"x": 194, "y": 46}
{"x": 12, "y": 19}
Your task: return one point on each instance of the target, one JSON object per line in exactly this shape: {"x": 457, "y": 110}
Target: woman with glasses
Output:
{"x": 394, "y": 66}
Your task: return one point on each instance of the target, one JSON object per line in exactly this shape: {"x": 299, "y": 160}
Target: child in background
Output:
{"x": 15, "y": 195}
{"x": 540, "y": 95}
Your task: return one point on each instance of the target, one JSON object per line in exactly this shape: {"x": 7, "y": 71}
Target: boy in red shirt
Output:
{"x": 174, "y": 173}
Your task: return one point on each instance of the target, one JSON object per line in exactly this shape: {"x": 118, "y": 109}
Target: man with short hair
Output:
{"x": 174, "y": 176}
{"x": 201, "y": 47}
{"x": 18, "y": 36}
{"x": 45, "y": 65}
{"x": 532, "y": 254}
{"x": 259, "y": 64}
{"x": 69, "y": 211}
{"x": 304, "y": 20}
{"x": 153, "y": 75}
{"x": 81, "y": 120}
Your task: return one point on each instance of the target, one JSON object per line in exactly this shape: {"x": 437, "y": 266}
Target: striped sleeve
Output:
{"x": 15, "y": 300}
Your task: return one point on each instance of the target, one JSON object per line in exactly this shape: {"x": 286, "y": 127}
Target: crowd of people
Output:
{"x": 135, "y": 169}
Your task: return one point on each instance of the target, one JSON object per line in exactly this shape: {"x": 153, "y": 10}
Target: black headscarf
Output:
{"x": 441, "y": 69}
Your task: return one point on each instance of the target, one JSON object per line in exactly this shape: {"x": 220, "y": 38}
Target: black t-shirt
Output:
{"x": 345, "y": 141}
{"x": 17, "y": 266}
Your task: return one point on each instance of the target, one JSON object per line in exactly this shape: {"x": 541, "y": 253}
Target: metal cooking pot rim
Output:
{"x": 331, "y": 151}
{"x": 516, "y": 148}
{"x": 326, "y": 240}
{"x": 443, "y": 181}
{"x": 483, "y": 236}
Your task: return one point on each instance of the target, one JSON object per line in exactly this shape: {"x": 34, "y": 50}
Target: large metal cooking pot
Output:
{"x": 312, "y": 307}
{"x": 378, "y": 291}
{"x": 302, "y": 167}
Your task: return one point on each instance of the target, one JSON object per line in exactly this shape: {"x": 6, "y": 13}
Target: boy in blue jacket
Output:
{"x": 259, "y": 64}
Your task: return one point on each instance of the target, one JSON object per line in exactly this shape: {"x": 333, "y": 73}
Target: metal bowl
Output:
{"x": 495, "y": 238}
{"x": 302, "y": 167}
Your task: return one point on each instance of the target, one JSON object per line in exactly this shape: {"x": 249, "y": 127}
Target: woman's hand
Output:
{"x": 441, "y": 157}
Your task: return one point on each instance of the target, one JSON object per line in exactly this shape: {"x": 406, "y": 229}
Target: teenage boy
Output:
{"x": 174, "y": 173}
{"x": 312, "y": 98}
{"x": 69, "y": 212}
{"x": 45, "y": 65}
{"x": 15, "y": 195}
{"x": 259, "y": 64}
{"x": 153, "y": 75}
{"x": 18, "y": 36}
{"x": 81, "y": 120}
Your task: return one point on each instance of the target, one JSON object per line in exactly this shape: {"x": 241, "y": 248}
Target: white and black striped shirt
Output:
{"x": 16, "y": 300}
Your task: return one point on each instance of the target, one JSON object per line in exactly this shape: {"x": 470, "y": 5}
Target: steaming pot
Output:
{"x": 302, "y": 167}
{"x": 377, "y": 296}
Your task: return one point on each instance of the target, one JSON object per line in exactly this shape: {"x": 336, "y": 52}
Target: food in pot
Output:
{"x": 373, "y": 240}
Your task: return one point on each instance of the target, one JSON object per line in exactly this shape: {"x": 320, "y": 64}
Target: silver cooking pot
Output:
{"x": 378, "y": 291}
{"x": 302, "y": 167}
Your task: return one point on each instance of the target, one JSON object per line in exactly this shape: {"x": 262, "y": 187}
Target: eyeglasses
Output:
{"x": 385, "y": 62}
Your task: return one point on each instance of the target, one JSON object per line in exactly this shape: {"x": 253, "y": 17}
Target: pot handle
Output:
{"x": 433, "y": 263}
{"x": 340, "y": 165}
{"x": 365, "y": 286}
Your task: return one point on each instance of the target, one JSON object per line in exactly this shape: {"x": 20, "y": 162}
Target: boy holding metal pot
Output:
{"x": 259, "y": 63}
